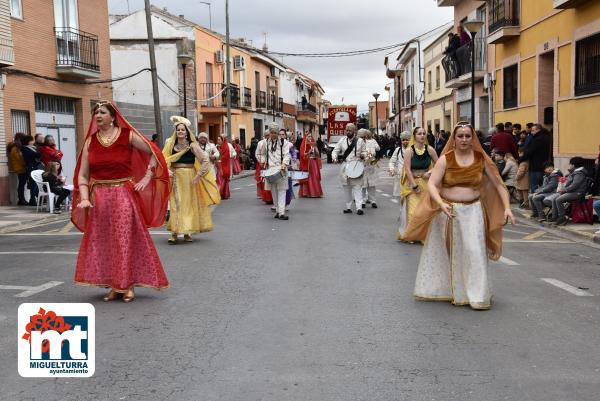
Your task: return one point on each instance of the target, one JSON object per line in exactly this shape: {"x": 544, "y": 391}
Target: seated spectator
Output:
{"x": 509, "y": 172}
{"x": 56, "y": 185}
{"x": 503, "y": 140}
{"x": 523, "y": 182}
{"x": 548, "y": 188}
{"x": 575, "y": 188}
{"x": 498, "y": 158}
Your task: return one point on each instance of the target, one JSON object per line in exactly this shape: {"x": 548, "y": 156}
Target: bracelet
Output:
{"x": 83, "y": 185}
{"x": 86, "y": 199}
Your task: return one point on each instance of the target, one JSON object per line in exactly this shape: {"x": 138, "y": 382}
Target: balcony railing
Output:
{"x": 211, "y": 91}
{"x": 247, "y": 97}
{"x": 76, "y": 49}
{"x": 307, "y": 107}
{"x": 503, "y": 13}
{"x": 272, "y": 102}
{"x": 280, "y": 105}
{"x": 261, "y": 100}
{"x": 459, "y": 63}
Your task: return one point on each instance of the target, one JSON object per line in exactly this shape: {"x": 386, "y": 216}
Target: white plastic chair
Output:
{"x": 44, "y": 193}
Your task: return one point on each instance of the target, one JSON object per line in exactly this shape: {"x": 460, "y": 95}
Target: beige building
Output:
{"x": 439, "y": 99}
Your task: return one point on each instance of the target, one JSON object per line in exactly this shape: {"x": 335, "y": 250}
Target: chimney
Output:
{"x": 265, "y": 48}
{"x": 181, "y": 16}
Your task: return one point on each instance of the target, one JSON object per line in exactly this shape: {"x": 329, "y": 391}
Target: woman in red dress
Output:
{"x": 237, "y": 162}
{"x": 121, "y": 188}
{"x": 225, "y": 163}
{"x": 310, "y": 160}
{"x": 50, "y": 153}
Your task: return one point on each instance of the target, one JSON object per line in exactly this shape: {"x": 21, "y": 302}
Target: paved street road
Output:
{"x": 317, "y": 308}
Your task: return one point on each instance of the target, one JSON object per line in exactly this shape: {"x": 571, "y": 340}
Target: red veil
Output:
{"x": 225, "y": 159}
{"x": 152, "y": 200}
{"x": 303, "y": 154}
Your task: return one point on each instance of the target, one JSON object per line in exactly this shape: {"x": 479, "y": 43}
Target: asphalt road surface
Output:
{"x": 316, "y": 308}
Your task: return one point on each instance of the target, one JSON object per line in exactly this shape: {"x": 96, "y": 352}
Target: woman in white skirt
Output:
{"x": 461, "y": 219}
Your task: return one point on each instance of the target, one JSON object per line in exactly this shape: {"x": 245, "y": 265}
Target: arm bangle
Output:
{"x": 84, "y": 185}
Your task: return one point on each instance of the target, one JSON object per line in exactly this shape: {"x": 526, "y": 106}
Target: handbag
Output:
{"x": 582, "y": 211}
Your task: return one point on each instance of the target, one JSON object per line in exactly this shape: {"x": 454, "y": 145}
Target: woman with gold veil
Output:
{"x": 460, "y": 219}
{"x": 193, "y": 186}
{"x": 419, "y": 159}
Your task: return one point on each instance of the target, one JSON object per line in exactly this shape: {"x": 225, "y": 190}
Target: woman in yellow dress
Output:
{"x": 193, "y": 185}
{"x": 419, "y": 159}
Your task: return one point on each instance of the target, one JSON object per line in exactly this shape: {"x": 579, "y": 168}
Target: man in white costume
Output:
{"x": 371, "y": 168}
{"x": 211, "y": 149}
{"x": 275, "y": 155}
{"x": 348, "y": 150}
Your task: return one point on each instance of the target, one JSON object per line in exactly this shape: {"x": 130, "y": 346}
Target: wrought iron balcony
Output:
{"x": 458, "y": 64}
{"x": 77, "y": 53}
{"x": 306, "y": 112}
{"x": 280, "y": 105}
{"x": 216, "y": 95}
{"x": 247, "y": 97}
{"x": 261, "y": 100}
{"x": 504, "y": 20}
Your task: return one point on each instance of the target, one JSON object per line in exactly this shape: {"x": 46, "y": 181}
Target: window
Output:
{"x": 510, "y": 86}
{"x": 429, "y": 82}
{"x": 16, "y": 9}
{"x": 65, "y": 14}
{"x": 54, "y": 104}
{"x": 437, "y": 77}
{"x": 587, "y": 65}
{"x": 20, "y": 121}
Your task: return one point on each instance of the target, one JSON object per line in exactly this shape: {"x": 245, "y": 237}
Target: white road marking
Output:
{"x": 508, "y": 261}
{"x": 567, "y": 287}
{"x": 39, "y": 253}
{"x": 28, "y": 291}
{"x": 386, "y": 195}
{"x": 394, "y": 200}
{"x": 541, "y": 241}
{"x": 379, "y": 190}
{"x": 508, "y": 230}
{"x": 250, "y": 185}
{"x": 236, "y": 189}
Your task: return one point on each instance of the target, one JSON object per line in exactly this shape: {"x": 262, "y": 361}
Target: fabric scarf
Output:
{"x": 418, "y": 226}
{"x": 225, "y": 159}
{"x": 152, "y": 200}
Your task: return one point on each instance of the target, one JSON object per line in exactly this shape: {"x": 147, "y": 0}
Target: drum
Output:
{"x": 272, "y": 174}
{"x": 355, "y": 169}
{"x": 298, "y": 175}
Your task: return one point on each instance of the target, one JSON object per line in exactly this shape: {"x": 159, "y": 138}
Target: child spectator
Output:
{"x": 574, "y": 189}
{"x": 549, "y": 186}
{"x": 56, "y": 184}
{"x": 500, "y": 162}
{"x": 523, "y": 182}
{"x": 509, "y": 171}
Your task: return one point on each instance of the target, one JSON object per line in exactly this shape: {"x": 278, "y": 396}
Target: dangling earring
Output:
{"x": 111, "y": 123}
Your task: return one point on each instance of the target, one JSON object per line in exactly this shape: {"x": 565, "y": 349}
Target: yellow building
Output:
{"x": 439, "y": 99}
{"x": 547, "y": 69}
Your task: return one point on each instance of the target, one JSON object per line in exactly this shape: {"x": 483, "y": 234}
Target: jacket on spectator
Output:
{"x": 509, "y": 174}
{"x": 523, "y": 176}
{"x": 55, "y": 184}
{"x": 537, "y": 151}
{"x": 577, "y": 182}
{"x": 550, "y": 182}
{"x": 504, "y": 141}
{"x": 31, "y": 157}
{"x": 16, "y": 163}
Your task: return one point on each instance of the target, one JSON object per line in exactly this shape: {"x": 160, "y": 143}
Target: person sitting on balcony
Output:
{"x": 451, "y": 66}
{"x": 453, "y": 44}
{"x": 304, "y": 102}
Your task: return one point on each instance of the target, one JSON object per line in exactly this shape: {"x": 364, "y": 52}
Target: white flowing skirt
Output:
{"x": 454, "y": 262}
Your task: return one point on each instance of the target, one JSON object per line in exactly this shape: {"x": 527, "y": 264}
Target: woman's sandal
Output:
{"x": 187, "y": 238}
{"x": 111, "y": 296}
{"x": 129, "y": 296}
{"x": 173, "y": 239}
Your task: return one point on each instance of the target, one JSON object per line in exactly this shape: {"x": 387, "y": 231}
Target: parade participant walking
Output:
{"x": 261, "y": 192}
{"x": 275, "y": 156}
{"x": 193, "y": 185}
{"x": 211, "y": 150}
{"x": 310, "y": 161}
{"x": 121, "y": 188}
{"x": 419, "y": 159}
{"x": 371, "y": 169}
{"x": 225, "y": 169}
{"x": 459, "y": 218}
{"x": 237, "y": 161}
{"x": 396, "y": 164}
{"x": 351, "y": 152}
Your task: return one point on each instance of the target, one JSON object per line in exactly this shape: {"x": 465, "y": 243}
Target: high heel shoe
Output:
{"x": 173, "y": 239}
{"x": 129, "y": 296}
{"x": 187, "y": 238}
{"x": 111, "y": 296}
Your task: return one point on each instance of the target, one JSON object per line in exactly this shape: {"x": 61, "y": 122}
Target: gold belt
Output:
{"x": 461, "y": 202}
{"x": 181, "y": 165}
{"x": 117, "y": 182}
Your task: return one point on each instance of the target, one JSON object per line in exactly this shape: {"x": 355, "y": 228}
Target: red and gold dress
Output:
{"x": 117, "y": 250}
{"x": 310, "y": 161}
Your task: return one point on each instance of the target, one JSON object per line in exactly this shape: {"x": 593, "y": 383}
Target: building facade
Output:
{"x": 439, "y": 99}
{"x": 59, "y": 46}
{"x": 7, "y": 58}
{"x": 382, "y": 111}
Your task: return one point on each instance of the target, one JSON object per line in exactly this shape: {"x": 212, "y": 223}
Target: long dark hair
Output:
{"x": 187, "y": 130}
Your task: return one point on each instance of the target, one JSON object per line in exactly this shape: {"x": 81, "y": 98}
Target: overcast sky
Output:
{"x": 315, "y": 26}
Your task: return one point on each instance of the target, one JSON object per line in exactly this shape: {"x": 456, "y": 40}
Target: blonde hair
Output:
{"x": 52, "y": 168}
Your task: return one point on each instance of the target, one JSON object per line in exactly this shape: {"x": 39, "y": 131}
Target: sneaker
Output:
{"x": 276, "y": 216}
{"x": 283, "y": 217}
{"x": 363, "y": 205}
{"x": 360, "y": 212}
{"x": 562, "y": 221}
{"x": 374, "y": 205}
{"x": 346, "y": 211}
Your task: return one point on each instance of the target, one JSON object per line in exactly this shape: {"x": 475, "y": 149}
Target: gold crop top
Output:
{"x": 469, "y": 176}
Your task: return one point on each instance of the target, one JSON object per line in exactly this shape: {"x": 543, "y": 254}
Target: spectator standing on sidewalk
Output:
{"x": 537, "y": 152}
{"x": 50, "y": 153}
{"x": 16, "y": 165}
{"x": 548, "y": 188}
{"x": 503, "y": 140}
{"x": 523, "y": 182}
{"x": 31, "y": 156}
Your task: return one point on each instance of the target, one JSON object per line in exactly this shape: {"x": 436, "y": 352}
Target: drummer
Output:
{"x": 351, "y": 151}
{"x": 276, "y": 157}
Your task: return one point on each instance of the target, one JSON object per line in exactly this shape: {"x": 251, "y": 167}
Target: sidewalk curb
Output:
{"x": 551, "y": 228}
{"x": 33, "y": 223}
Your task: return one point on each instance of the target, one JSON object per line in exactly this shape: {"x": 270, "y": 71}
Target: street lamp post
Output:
{"x": 209, "y": 13}
{"x": 473, "y": 27}
{"x": 376, "y": 96}
{"x": 184, "y": 60}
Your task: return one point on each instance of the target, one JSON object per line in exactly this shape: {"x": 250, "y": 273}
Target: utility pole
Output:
{"x": 228, "y": 88}
{"x": 157, "y": 119}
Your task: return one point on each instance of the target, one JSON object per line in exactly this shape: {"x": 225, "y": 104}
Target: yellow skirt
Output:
{"x": 408, "y": 205}
{"x": 189, "y": 211}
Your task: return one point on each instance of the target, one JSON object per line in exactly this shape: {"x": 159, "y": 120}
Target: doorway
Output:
{"x": 258, "y": 130}
{"x": 546, "y": 89}
{"x": 243, "y": 137}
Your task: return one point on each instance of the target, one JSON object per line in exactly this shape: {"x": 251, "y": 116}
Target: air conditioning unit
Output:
{"x": 219, "y": 59}
{"x": 239, "y": 63}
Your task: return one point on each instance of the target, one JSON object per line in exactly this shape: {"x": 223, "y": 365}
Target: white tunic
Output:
{"x": 275, "y": 154}
{"x": 212, "y": 150}
{"x": 359, "y": 150}
{"x": 371, "y": 171}
{"x": 397, "y": 166}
